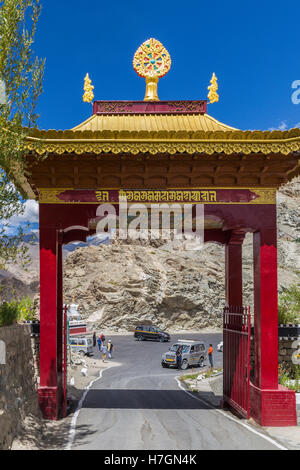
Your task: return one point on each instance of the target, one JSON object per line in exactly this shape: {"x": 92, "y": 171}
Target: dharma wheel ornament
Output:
{"x": 151, "y": 61}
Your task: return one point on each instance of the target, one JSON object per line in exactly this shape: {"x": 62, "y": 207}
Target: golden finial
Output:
{"x": 213, "y": 95}
{"x": 88, "y": 90}
{"x": 151, "y": 61}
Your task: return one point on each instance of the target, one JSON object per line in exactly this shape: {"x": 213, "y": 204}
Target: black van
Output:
{"x": 143, "y": 332}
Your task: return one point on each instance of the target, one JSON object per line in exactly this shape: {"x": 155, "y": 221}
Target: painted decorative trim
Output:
{"x": 185, "y": 196}
{"x": 81, "y": 146}
{"x": 283, "y": 338}
{"x": 144, "y": 107}
{"x": 168, "y": 135}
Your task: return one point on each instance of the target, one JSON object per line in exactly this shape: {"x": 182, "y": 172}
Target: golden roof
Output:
{"x": 152, "y": 123}
{"x": 163, "y": 133}
{"x": 168, "y": 134}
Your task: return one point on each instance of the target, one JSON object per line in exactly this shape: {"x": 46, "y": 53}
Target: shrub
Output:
{"x": 9, "y": 313}
{"x": 289, "y": 305}
{"x": 26, "y": 309}
{"x": 289, "y": 376}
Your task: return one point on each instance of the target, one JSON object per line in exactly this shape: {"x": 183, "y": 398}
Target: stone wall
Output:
{"x": 35, "y": 346}
{"x": 285, "y": 351}
{"x": 18, "y": 382}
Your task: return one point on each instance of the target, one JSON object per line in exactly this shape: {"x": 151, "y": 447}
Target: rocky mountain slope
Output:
{"x": 16, "y": 282}
{"x": 118, "y": 285}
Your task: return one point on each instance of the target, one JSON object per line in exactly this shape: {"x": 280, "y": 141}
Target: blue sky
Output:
{"x": 252, "y": 46}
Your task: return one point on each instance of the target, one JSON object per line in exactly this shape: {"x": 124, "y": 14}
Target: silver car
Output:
{"x": 194, "y": 353}
{"x": 82, "y": 345}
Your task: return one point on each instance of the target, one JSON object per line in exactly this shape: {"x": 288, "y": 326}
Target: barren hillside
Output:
{"x": 118, "y": 285}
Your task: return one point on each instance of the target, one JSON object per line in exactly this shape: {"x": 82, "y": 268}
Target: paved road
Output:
{"x": 139, "y": 406}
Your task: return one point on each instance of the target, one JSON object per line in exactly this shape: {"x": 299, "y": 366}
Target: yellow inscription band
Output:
{"x": 148, "y": 196}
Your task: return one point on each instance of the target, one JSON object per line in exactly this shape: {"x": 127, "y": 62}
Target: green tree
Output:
{"x": 21, "y": 75}
{"x": 289, "y": 304}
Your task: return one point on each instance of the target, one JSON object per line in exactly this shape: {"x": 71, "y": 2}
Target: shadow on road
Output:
{"x": 59, "y": 439}
{"x": 146, "y": 399}
{"x": 39, "y": 434}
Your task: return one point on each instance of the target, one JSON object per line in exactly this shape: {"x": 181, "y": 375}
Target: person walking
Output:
{"x": 109, "y": 348}
{"x": 104, "y": 353}
{"x": 99, "y": 343}
{"x": 94, "y": 339}
{"x": 102, "y": 338}
{"x": 179, "y": 357}
{"x": 210, "y": 355}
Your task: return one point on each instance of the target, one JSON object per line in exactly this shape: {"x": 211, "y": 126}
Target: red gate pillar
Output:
{"x": 50, "y": 389}
{"x": 271, "y": 404}
{"x": 232, "y": 346}
{"x": 233, "y": 269}
{"x": 60, "y": 317}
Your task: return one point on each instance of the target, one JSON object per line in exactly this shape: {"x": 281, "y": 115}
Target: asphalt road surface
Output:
{"x": 139, "y": 405}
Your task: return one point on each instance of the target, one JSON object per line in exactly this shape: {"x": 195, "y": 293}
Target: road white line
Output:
{"x": 269, "y": 439}
{"x": 72, "y": 430}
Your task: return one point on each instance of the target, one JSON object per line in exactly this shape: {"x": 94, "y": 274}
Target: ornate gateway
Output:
{"x": 157, "y": 152}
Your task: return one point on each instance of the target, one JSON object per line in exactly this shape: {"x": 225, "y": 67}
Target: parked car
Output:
{"x": 82, "y": 345}
{"x": 194, "y": 353}
{"x": 220, "y": 346}
{"x": 144, "y": 332}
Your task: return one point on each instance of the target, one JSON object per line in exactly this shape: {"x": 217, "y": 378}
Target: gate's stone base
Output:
{"x": 49, "y": 402}
{"x": 273, "y": 407}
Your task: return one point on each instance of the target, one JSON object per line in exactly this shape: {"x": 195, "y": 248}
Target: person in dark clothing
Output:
{"x": 179, "y": 357}
{"x": 94, "y": 339}
{"x": 110, "y": 347}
